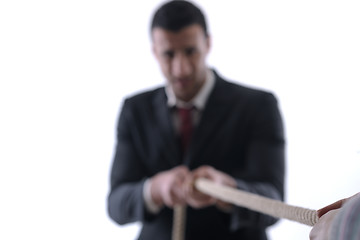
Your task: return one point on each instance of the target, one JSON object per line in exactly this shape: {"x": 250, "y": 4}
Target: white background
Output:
{"x": 66, "y": 66}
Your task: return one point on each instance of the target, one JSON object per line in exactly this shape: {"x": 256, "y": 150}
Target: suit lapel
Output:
{"x": 216, "y": 110}
{"x": 167, "y": 136}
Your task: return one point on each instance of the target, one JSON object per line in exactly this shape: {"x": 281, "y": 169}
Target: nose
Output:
{"x": 181, "y": 66}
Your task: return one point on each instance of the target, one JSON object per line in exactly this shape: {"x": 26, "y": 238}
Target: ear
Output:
{"x": 208, "y": 43}
{"x": 153, "y": 48}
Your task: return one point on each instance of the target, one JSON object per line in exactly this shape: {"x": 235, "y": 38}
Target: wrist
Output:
{"x": 155, "y": 195}
{"x": 151, "y": 205}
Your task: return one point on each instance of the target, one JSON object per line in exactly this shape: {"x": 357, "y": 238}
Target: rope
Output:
{"x": 179, "y": 219}
{"x": 257, "y": 203}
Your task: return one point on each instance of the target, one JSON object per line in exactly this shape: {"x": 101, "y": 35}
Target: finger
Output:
{"x": 332, "y": 206}
{"x": 200, "y": 202}
{"x": 335, "y": 205}
{"x": 181, "y": 170}
{"x": 189, "y": 184}
{"x": 206, "y": 171}
{"x": 178, "y": 196}
{"x": 181, "y": 175}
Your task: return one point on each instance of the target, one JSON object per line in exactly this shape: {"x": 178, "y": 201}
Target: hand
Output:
{"x": 197, "y": 199}
{"x": 321, "y": 229}
{"x": 167, "y": 187}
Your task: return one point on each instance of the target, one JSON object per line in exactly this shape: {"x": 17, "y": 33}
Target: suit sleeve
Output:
{"x": 125, "y": 200}
{"x": 265, "y": 162}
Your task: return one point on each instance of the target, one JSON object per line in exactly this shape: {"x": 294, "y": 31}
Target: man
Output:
{"x": 234, "y": 137}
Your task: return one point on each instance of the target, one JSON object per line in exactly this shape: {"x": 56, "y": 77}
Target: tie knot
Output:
{"x": 184, "y": 111}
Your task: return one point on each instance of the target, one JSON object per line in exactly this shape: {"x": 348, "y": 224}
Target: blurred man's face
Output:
{"x": 182, "y": 56}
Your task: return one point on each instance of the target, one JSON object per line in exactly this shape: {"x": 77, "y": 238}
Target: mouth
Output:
{"x": 182, "y": 82}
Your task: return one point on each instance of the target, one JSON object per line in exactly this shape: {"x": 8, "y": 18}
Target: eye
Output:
{"x": 169, "y": 54}
{"x": 190, "y": 51}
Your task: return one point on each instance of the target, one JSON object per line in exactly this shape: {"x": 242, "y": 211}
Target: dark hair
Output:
{"x": 177, "y": 14}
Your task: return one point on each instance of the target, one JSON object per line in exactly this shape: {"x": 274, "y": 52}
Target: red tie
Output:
{"x": 186, "y": 127}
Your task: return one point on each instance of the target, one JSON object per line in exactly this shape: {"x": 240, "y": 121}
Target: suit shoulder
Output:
{"x": 145, "y": 97}
{"x": 243, "y": 91}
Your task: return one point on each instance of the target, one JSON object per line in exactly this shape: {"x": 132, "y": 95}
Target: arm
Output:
{"x": 128, "y": 194}
{"x": 265, "y": 161}
{"x": 127, "y": 174}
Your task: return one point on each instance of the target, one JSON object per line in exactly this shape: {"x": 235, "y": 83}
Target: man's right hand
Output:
{"x": 167, "y": 187}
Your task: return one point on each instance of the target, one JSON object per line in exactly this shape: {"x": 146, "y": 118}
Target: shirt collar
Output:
{"x": 200, "y": 98}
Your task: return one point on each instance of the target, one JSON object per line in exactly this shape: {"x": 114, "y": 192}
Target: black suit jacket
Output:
{"x": 240, "y": 133}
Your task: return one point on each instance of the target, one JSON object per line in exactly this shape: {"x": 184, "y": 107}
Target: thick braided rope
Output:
{"x": 179, "y": 219}
{"x": 257, "y": 203}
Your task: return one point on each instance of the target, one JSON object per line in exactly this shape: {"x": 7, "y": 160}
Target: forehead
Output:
{"x": 188, "y": 36}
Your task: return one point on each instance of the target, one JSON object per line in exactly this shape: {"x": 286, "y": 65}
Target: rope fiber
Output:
{"x": 257, "y": 203}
